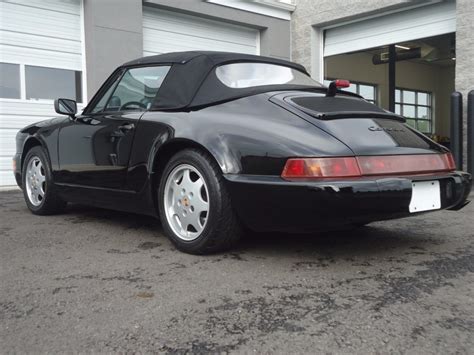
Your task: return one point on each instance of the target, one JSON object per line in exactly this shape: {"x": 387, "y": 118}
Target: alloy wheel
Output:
{"x": 35, "y": 181}
{"x": 186, "y": 202}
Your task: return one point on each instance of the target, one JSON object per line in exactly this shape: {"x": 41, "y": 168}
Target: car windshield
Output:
{"x": 245, "y": 75}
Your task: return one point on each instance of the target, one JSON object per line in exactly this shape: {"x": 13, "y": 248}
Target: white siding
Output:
{"x": 165, "y": 31}
{"x": 43, "y": 33}
{"x": 421, "y": 22}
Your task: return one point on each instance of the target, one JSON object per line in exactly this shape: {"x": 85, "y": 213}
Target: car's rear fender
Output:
{"x": 248, "y": 136}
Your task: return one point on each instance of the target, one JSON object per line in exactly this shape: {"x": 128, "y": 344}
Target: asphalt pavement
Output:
{"x": 93, "y": 280}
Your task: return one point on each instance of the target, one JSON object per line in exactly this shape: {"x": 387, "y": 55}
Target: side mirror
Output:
{"x": 65, "y": 107}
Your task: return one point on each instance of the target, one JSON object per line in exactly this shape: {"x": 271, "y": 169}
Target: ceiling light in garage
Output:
{"x": 402, "y": 47}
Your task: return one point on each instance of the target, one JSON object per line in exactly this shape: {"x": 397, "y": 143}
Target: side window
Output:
{"x": 137, "y": 89}
{"x": 103, "y": 100}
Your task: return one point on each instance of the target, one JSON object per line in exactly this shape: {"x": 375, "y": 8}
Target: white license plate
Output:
{"x": 426, "y": 196}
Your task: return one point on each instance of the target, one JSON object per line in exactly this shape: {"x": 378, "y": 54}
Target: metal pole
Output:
{"x": 456, "y": 128}
{"x": 470, "y": 132}
{"x": 392, "y": 58}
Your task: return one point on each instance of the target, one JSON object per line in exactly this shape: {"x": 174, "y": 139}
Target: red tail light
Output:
{"x": 321, "y": 167}
{"x": 367, "y": 166}
{"x": 406, "y": 164}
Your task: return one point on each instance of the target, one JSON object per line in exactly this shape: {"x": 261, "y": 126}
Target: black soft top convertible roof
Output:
{"x": 192, "y": 83}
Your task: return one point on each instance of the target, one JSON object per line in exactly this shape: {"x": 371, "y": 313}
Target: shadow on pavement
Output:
{"x": 359, "y": 242}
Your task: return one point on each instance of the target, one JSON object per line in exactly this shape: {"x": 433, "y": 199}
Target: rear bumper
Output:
{"x": 269, "y": 203}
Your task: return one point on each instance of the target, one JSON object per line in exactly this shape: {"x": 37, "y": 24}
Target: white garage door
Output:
{"x": 40, "y": 59}
{"x": 421, "y": 22}
{"x": 165, "y": 31}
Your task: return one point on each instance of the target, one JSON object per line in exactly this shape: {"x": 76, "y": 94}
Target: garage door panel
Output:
{"x": 66, "y": 6}
{"x": 186, "y": 25}
{"x": 165, "y": 31}
{"x": 33, "y": 20}
{"x": 6, "y": 171}
{"x": 6, "y": 164}
{"x": 39, "y": 57}
{"x": 7, "y": 178}
{"x": 7, "y": 139}
{"x": 18, "y": 122}
{"x": 38, "y": 42}
{"x": 41, "y": 33}
{"x": 41, "y": 108}
{"x": 163, "y": 42}
{"x": 422, "y": 22}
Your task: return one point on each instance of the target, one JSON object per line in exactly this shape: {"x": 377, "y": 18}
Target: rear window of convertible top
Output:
{"x": 246, "y": 75}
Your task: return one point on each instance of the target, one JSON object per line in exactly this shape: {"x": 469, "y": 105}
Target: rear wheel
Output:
{"x": 195, "y": 208}
{"x": 38, "y": 188}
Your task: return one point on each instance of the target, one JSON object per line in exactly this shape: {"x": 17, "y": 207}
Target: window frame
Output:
{"x": 111, "y": 80}
{"x": 357, "y": 84}
{"x": 416, "y": 105}
{"x": 114, "y": 80}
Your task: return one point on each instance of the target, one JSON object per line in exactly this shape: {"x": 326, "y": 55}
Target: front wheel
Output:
{"x": 37, "y": 182}
{"x": 195, "y": 208}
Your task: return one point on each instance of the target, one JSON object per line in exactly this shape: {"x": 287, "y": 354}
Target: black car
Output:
{"x": 214, "y": 142}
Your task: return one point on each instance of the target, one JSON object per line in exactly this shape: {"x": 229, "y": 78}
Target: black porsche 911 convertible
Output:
{"x": 212, "y": 142}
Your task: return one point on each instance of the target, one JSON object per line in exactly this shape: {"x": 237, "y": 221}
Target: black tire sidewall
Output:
{"x": 208, "y": 172}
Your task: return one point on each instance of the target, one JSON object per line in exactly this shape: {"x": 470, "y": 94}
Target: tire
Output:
{"x": 37, "y": 181}
{"x": 216, "y": 230}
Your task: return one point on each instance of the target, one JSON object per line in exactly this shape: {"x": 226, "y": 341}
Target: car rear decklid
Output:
{"x": 365, "y": 128}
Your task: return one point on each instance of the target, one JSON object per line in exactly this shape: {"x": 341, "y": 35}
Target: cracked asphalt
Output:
{"x": 101, "y": 281}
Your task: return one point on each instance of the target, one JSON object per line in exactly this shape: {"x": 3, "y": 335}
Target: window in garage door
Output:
{"x": 10, "y": 81}
{"x": 52, "y": 83}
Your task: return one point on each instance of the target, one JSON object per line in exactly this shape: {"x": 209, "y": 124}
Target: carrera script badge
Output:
{"x": 388, "y": 129}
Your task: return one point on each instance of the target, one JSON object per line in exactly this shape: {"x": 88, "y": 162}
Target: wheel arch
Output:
{"x": 31, "y": 142}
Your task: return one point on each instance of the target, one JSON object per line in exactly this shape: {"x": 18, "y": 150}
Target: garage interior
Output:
{"x": 424, "y": 80}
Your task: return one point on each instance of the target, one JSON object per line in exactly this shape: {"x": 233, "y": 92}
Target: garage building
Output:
{"x": 67, "y": 48}
{"x": 51, "y": 48}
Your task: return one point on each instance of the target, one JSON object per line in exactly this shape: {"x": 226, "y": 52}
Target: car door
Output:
{"x": 94, "y": 148}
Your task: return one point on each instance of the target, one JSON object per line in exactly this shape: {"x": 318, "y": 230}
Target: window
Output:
{"x": 245, "y": 75}
{"x": 367, "y": 91}
{"x": 10, "y": 81}
{"x": 52, "y": 83}
{"x": 416, "y": 106}
{"x": 136, "y": 90}
{"x": 103, "y": 100}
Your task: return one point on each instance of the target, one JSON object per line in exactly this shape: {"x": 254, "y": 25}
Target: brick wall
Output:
{"x": 465, "y": 55}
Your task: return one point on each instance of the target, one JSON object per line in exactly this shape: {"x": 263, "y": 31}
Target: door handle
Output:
{"x": 127, "y": 127}
{"x": 121, "y": 131}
